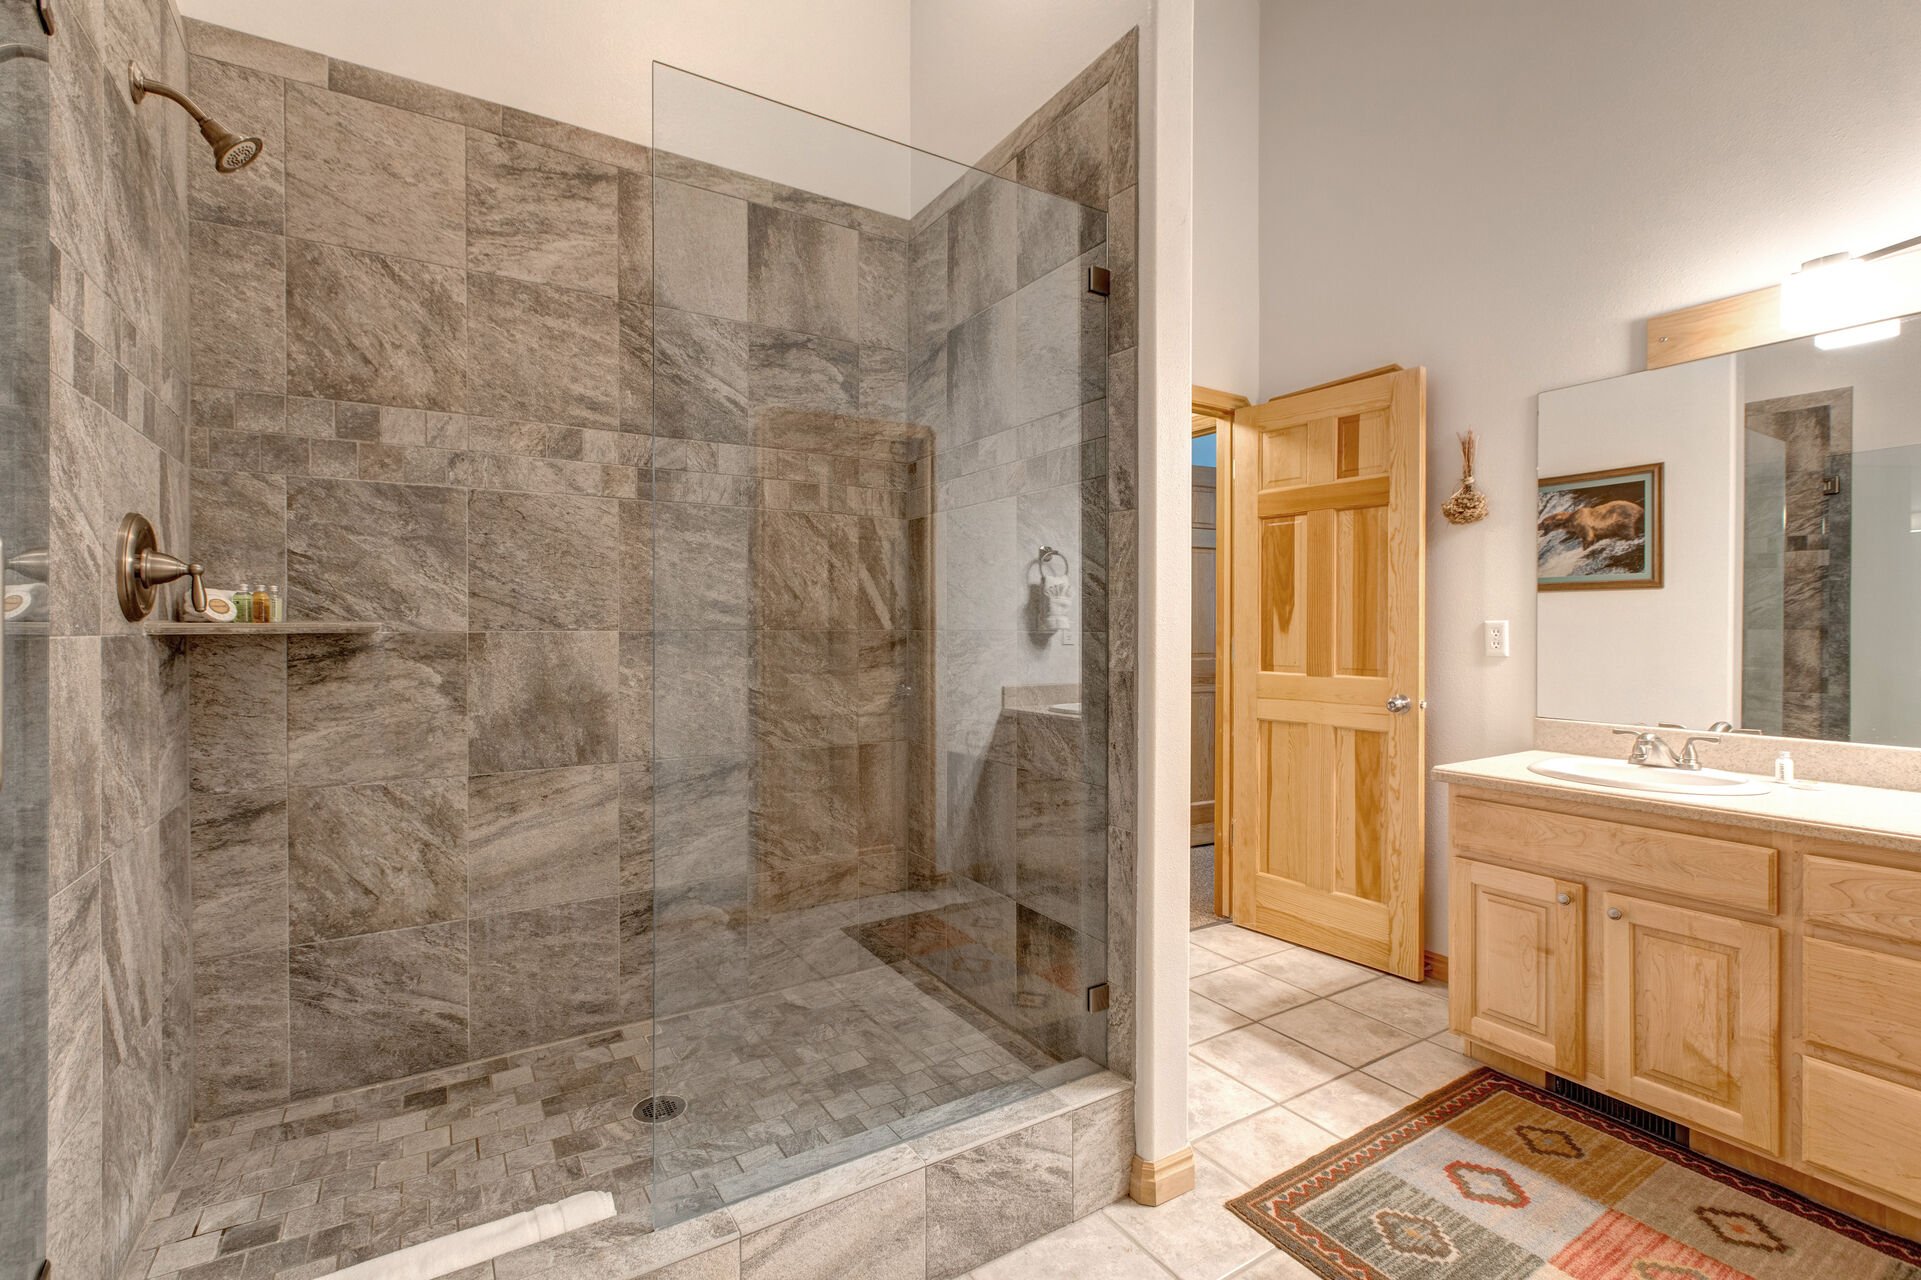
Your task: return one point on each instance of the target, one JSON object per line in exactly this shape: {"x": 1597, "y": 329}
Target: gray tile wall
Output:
{"x": 120, "y": 1028}
{"x": 425, "y": 388}
{"x": 1029, "y": 384}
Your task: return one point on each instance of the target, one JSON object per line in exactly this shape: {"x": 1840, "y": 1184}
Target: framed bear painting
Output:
{"x": 1599, "y": 530}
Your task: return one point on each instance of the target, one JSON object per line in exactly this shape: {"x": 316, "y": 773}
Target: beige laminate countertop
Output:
{"x": 1857, "y": 815}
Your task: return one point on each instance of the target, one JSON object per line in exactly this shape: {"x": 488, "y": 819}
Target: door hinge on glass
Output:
{"x": 1097, "y": 998}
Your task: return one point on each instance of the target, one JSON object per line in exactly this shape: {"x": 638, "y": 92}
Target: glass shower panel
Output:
{"x": 24, "y": 761}
{"x": 1763, "y": 579}
{"x": 879, "y": 642}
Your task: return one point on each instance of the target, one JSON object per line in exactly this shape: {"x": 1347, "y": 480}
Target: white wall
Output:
{"x": 589, "y": 62}
{"x": 1671, "y": 653}
{"x": 980, "y": 67}
{"x": 1502, "y": 190}
{"x": 1227, "y": 167}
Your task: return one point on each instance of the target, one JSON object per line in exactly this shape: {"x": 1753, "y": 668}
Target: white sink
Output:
{"x": 1640, "y": 777}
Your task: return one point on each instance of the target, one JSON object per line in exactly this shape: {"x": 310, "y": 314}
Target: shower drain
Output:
{"x": 659, "y": 1108}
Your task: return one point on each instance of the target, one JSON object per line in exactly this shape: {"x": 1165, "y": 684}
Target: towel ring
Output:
{"x": 1046, "y": 553}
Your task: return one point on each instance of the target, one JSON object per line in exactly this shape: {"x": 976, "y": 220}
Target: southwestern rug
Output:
{"x": 1493, "y": 1179}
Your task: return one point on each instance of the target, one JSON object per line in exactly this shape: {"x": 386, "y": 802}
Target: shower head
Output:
{"x": 231, "y": 151}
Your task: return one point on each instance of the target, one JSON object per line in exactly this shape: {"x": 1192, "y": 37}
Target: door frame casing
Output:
{"x": 1213, "y": 413}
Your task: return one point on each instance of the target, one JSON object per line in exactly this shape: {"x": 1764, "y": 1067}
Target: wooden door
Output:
{"x": 1693, "y": 1017}
{"x": 1201, "y": 750}
{"x": 1515, "y": 977}
{"x": 1326, "y": 680}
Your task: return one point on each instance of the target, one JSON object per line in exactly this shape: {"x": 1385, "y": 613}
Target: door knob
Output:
{"x": 1565, "y": 899}
{"x": 1614, "y": 913}
{"x": 1399, "y": 703}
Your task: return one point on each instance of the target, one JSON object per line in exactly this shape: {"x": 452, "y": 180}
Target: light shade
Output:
{"x": 1842, "y": 292}
{"x": 1835, "y": 339}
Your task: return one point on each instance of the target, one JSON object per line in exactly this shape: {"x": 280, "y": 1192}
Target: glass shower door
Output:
{"x": 24, "y": 773}
{"x": 879, "y": 649}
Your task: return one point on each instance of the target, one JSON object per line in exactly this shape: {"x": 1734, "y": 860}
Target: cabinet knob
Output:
{"x": 1614, "y": 913}
{"x": 1564, "y": 898}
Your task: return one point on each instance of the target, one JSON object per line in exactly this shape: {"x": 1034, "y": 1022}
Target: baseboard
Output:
{"x": 1434, "y": 965}
{"x": 1153, "y": 1182}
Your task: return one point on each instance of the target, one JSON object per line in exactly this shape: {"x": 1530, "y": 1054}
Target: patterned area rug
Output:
{"x": 1492, "y": 1179}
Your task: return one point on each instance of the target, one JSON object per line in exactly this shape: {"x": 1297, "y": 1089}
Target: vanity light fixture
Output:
{"x": 1836, "y": 339}
{"x": 1840, "y": 291}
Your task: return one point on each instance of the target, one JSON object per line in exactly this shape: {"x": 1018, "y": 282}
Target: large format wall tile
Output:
{"x": 240, "y": 1018}
{"x": 374, "y": 329}
{"x": 1060, "y": 340}
{"x": 701, "y": 821}
{"x": 240, "y": 330}
{"x": 377, "y": 856}
{"x": 537, "y": 214}
{"x": 238, "y": 703}
{"x": 803, "y": 274}
{"x": 700, "y": 251}
{"x": 256, "y": 196}
{"x": 1070, "y": 159}
{"x": 876, "y": 1234}
{"x": 700, "y": 378}
{"x": 373, "y": 177}
{"x": 377, "y": 1007}
{"x": 377, "y": 553}
{"x": 363, "y": 709}
{"x": 239, "y": 872}
{"x": 544, "y": 974}
{"x": 701, "y": 692}
{"x": 703, "y": 571}
{"x": 542, "y": 838}
{"x": 542, "y": 562}
{"x": 542, "y": 699}
{"x": 996, "y": 1197}
{"x": 239, "y": 527}
{"x": 983, "y": 248}
{"x": 802, "y": 371}
{"x": 543, "y": 353}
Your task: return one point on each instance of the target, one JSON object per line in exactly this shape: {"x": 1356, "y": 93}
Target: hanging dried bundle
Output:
{"x": 1468, "y": 503}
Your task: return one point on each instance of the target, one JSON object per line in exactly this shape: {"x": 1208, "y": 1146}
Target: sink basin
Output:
{"x": 1640, "y": 777}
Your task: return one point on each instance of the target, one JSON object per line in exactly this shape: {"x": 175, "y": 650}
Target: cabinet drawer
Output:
{"x": 1723, "y": 872}
{"x": 1852, "y": 1124}
{"x": 1885, "y": 901}
{"x": 1862, "y": 1002}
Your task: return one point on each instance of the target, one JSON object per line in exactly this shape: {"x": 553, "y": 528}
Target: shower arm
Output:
{"x": 141, "y": 86}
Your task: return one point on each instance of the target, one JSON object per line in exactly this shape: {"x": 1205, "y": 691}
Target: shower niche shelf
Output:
{"x": 305, "y": 627}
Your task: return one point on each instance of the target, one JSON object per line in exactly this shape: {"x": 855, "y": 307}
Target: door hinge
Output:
{"x": 1097, "y": 998}
{"x": 1100, "y": 281}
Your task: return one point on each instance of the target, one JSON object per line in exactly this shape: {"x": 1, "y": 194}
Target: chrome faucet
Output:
{"x": 1652, "y": 750}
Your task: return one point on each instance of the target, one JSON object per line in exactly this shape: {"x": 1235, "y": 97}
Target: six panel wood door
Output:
{"x": 1518, "y": 962}
{"x": 1693, "y": 1017}
{"x": 1201, "y": 751}
{"x": 1328, "y": 514}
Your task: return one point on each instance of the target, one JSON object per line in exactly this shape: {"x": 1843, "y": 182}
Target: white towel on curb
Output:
{"x": 461, "y": 1249}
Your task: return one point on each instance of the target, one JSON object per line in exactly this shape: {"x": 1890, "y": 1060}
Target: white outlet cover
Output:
{"x": 1498, "y": 637}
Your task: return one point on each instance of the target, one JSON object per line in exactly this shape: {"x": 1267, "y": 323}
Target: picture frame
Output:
{"x": 1600, "y": 530}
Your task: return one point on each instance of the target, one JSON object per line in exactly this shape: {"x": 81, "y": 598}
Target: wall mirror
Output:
{"x": 1737, "y": 541}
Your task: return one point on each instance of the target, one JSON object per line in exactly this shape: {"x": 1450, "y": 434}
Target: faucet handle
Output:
{"x": 1690, "y": 759}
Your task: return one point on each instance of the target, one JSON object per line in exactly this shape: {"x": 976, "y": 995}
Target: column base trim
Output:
{"x": 1152, "y": 1182}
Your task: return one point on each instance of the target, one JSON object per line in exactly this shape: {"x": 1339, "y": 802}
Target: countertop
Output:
{"x": 1871, "y": 816}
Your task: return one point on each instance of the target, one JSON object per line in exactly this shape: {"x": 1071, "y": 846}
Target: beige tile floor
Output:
{"x": 1289, "y": 1051}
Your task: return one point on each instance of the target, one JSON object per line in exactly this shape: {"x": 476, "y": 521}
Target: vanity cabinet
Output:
{"x": 1516, "y": 975}
{"x": 1692, "y": 1016}
{"x": 1759, "y": 987}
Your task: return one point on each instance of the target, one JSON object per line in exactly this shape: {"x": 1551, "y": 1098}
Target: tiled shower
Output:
{"x": 750, "y": 716}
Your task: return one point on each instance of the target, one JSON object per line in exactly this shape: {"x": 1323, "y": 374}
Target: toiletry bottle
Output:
{"x": 277, "y": 608}
{"x": 262, "y": 608}
{"x": 243, "y": 604}
{"x": 1784, "y": 768}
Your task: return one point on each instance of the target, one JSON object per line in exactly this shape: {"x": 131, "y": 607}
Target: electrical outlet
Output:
{"x": 1499, "y": 639}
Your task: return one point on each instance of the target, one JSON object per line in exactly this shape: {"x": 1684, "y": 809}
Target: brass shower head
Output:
{"x": 231, "y": 151}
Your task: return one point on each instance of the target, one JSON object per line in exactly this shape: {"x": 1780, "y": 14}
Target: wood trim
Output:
{"x": 1506, "y": 1065}
{"x": 1338, "y": 382}
{"x": 1434, "y": 965}
{"x": 1214, "y": 411}
{"x": 1751, "y": 319}
{"x": 1210, "y": 403}
{"x": 1152, "y": 1182}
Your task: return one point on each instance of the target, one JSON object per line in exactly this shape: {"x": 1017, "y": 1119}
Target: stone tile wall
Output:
{"x": 425, "y": 394}
{"x": 120, "y": 1043}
